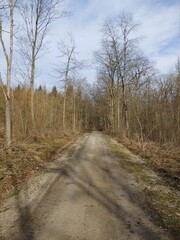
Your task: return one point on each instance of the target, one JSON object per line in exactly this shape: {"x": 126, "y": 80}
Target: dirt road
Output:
{"x": 90, "y": 198}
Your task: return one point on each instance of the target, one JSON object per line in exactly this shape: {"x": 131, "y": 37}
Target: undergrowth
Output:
{"x": 164, "y": 159}
{"x": 160, "y": 197}
{"x": 25, "y": 159}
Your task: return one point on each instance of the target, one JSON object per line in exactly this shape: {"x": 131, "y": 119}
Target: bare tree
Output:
{"x": 112, "y": 38}
{"x": 9, "y": 6}
{"x": 122, "y": 67}
{"x": 67, "y": 66}
{"x": 107, "y": 75}
{"x": 37, "y": 16}
{"x": 126, "y": 26}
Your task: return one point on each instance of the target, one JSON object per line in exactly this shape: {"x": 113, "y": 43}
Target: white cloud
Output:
{"x": 160, "y": 26}
{"x": 165, "y": 63}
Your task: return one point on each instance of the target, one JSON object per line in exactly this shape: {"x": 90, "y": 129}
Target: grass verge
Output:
{"x": 158, "y": 196}
{"x": 26, "y": 159}
{"x": 164, "y": 159}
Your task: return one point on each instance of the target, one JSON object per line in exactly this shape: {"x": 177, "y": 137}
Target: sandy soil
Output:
{"x": 83, "y": 195}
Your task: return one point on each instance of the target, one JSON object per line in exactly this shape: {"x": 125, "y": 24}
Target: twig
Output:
{"x": 2, "y": 86}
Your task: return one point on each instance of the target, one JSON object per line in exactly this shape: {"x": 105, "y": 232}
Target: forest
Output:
{"x": 129, "y": 100}
{"x": 128, "y": 97}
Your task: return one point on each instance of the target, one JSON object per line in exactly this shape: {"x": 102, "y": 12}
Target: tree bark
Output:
{"x": 74, "y": 111}
{"x": 9, "y": 68}
{"x": 8, "y": 123}
{"x": 64, "y": 110}
{"x": 32, "y": 89}
{"x": 65, "y": 87}
{"x": 112, "y": 104}
{"x": 125, "y": 107}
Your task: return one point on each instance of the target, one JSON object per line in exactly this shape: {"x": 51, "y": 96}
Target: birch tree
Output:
{"x": 37, "y": 16}
{"x": 9, "y": 6}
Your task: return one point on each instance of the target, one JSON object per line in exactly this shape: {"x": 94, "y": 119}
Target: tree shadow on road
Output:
{"x": 83, "y": 181}
{"x": 24, "y": 224}
{"x": 111, "y": 205}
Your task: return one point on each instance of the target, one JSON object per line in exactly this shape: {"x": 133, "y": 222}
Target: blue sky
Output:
{"x": 160, "y": 26}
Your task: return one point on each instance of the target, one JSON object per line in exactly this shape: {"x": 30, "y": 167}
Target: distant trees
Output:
{"x": 49, "y": 109}
{"x": 163, "y": 110}
{"x": 67, "y": 66}
{"x": 55, "y": 112}
{"x": 130, "y": 97}
{"x": 121, "y": 65}
{"x": 36, "y": 18}
{"x": 153, "y": 107}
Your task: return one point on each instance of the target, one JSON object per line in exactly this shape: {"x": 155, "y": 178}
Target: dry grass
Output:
{"x": 163, "y": 159}
{"x": 26, "y": 158}
{"x": 161, "y": 201}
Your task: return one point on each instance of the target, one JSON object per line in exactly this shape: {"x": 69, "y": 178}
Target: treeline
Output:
{"x": 131, "y": 98}
{"x": 48, "y": 111}
{"x": 24, "y": 110}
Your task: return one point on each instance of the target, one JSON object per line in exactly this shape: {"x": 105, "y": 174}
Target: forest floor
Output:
{"x": 96, "y": 190}
{"x": 157, "y": 170}
{"x": 26, "y": 159}
{"x": 162, "y": 158}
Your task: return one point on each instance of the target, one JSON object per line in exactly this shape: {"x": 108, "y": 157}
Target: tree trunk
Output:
{"x": 8, "y": 123}
{"x": 65, "y": 88}
{"x": 125, "y": 107}
{"x": 112, "y": 104}
{"x": 9, "y": 68}
{"x": 118, "y": 106}
{"x": 64, "y": 111}
{"x": 32, "y": 89}
{"x": 112, "y": 113}
{"x": 74, "y": 111}
{"x": 126, "y": 120}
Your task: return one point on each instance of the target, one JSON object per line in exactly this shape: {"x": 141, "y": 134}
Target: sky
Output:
{"x": 160, "y": 28}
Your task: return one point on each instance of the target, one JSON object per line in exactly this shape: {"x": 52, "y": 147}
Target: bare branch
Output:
{"x": 2, "y": 42}
{"x": 2, "y": 86}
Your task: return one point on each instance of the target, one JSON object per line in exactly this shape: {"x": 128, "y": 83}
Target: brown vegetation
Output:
{"x": 159, "y": 194}
{"x": 129, "y": 99}
{"x": 165, "y": 159}
{"x": 32, "y": 147}
{"x": 26, "y": 159}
